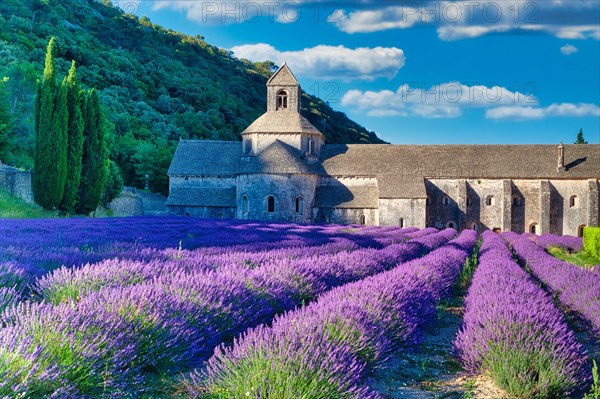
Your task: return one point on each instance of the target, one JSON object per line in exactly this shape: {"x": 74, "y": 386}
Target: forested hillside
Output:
{"x": 156, "y": 85}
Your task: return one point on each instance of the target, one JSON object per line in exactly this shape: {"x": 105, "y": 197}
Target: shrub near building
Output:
{"x": 591, "y": 241}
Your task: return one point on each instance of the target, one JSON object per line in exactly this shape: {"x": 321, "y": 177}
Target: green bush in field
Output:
{"x": 591, "y": 241}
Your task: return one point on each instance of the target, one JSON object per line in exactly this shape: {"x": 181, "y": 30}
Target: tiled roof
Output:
{"x": 202, "y": 196}
{"x": 278, "y": 157}
{"x": 392, "y": 186}
{"x": 204, "y": 157}
{"x": 340, "y": 196}
{"x": 282, "y": 121}
{"x": 406, "y": 162}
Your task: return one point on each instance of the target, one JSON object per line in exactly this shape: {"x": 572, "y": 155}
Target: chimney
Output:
{"x": 561, "y": 158}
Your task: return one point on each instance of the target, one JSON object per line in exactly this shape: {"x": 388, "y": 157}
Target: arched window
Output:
{"x": 580, "y": 230}
{"x": 475, "y": 227}
{"x": 271, "y": 204}
{"x": 428, "y": 201}
{"x": 517, "y": 200}
{"x": 402, "y": 222}
{"x": 489, "y": 200}
{"x": 245, "y": 204}
{"x": 451, "y": 225}
{"x": 533, "y": 228}
{"x": 363, "y": 219}
{"x": 247, "y": 146}
{"x": 219, "y": 215}
{"x": 311, "y": 145}
{"x": 329, "y": 219}
{"x": 446, "y": 200}
{"x": 282, "y": 100}
{"x": 187, "y": 214}
{"x": 573, "y": 202}
{"x": 299, "y": 207}
{"x": 469, "y": 202}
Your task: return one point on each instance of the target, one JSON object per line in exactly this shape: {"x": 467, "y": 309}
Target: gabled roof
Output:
{"x": 393, "y": 186}
{"x": 278, "y": 157}
{"x": 202, "y": 196}
{"x": 405, "y": 162}
{"x": 336, "y": 195}
{"x": 282, "y": 121}
{"x": 283, "y": 77}
{"x": 204, "y": 157}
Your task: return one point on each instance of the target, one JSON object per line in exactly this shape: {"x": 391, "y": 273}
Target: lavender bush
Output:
{"x": 325, "y": 349}
{"x": 576, "y": 288}
{"x": 110, "y": 333}
{"x": 513, "y": 331}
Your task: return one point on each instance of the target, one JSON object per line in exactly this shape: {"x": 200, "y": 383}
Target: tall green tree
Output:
{"x": 75, "y": 141}
{"x": 580, "y": 139}
{"x": 4, "y": 119}
{"x": 50, "y": 155}
{"x": 95, "y": 156}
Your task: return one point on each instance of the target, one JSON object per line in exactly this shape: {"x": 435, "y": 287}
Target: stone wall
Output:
{"x": 284, "y": 188}
{"x": 17, "y": 182}
{"x": 346, "y": 215}
{"x": 402, "y": 212}
{"x": 135, "y": 202}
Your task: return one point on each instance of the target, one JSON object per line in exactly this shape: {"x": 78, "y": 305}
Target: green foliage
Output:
{"x": 580, "y": 139}
{"x": 75, "y": 141}
{"x": 581, "y": 258}
{"x": 156, "y": 85}
{"x": 51, "y": 138}
{"x": 526, "y": 374}
{"x": 114, "y": 184}
{"x": 95, "y": 156}
{"x": 4, "y": 119}
{"x": 15, "y": 208}
{"x": 591, "y": 241}
{"x": 595, "y": 390}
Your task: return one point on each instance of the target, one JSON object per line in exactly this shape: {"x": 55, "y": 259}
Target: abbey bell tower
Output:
{"x": 283, "y": 91}
{"x": 283, "y": 122}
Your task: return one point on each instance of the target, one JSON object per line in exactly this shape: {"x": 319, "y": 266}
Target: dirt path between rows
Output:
{"x": 430, "y": 371}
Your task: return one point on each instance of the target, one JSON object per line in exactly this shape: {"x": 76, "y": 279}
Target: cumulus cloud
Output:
{"x": 447, "y": 100}
{"x": 469, "y": 19}
{"x": 568, "y": 49}
{"x": 563, "y": 109}
{"x": 330, "y": 62}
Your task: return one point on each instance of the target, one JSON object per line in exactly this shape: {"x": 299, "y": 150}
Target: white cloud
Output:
{"x": 447, "y": 100}
{"x": 331, "y": 62}
{"x": 563, "y": 109}
{"x": 469, "y": 19}
{"x": 568, "y": 49}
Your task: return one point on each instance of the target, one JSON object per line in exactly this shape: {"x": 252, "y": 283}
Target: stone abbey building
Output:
{"x": 283, "y": 170}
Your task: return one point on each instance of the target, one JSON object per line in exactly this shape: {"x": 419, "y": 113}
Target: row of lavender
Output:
{"x": 132, "y": 326}
{"x": 578, "y": 289}
{"x": 513, "y": 330}
{"x": 31, "y": 248}
{"x": 325, "y": 350}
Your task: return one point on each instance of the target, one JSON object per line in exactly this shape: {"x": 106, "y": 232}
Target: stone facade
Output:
{"x": 282, "y": 170}
{"x": 17, "y": 182}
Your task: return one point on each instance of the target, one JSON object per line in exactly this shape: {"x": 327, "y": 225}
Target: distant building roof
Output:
{"x": 281, "y": 122}
{"x": 277, "y": 158}
{"x": 205, "y": 157}
{"x": 392, "y": 186}
{"x": 406, "y": 162}
{"x": 202, "y": 196}
{"x": 340, "y": 196}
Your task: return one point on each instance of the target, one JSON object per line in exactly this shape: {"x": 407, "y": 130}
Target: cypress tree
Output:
{"x": 50, "y": 156}
{"x": 75, "y": 141}
{"x": 95, "y": 156}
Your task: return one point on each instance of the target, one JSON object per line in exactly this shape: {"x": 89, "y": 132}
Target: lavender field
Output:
{"x": 187, "y": 308}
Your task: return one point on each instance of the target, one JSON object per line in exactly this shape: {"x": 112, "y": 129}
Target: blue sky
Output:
{"x": 423, "y": 72}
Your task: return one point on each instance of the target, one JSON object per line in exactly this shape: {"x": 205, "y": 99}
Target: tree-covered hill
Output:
{"x": 156, "y": 85}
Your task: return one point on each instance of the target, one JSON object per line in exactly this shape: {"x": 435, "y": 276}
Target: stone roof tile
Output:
{"x": 205, "y": 157}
